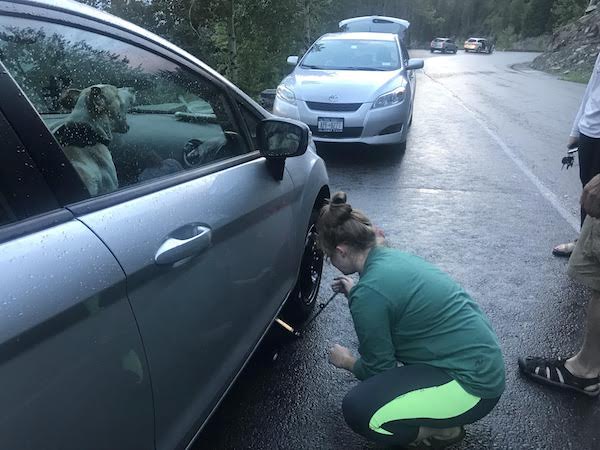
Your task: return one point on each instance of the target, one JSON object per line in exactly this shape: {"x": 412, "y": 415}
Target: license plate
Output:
{"x": 331, "y": 124}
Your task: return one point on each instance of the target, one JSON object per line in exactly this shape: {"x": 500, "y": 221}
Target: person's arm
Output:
{"x": 590, "y": 198}
{"x": 371, "y": 315}
{"x": 586, "y": 97}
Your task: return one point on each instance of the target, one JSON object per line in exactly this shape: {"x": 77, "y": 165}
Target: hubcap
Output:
{"x": 311, "y": 269}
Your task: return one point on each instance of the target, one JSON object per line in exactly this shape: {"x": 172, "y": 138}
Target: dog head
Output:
{"x": 104, "y": 107}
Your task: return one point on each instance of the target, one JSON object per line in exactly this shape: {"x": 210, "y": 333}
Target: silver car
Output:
{"x": 154, "y": 221}
{"x": 352, "y": 87}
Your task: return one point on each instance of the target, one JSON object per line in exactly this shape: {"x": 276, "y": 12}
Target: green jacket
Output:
{"x": 407, "y": 310}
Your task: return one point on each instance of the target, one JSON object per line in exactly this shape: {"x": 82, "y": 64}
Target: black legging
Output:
{"x": 390, "y": 407}
{"x": 589, "y": 161}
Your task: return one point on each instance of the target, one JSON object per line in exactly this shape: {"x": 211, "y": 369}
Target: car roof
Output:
{"x": 443, "y": 39}
{"x": 362, "y": 36}
{"x": 477, "y": 39}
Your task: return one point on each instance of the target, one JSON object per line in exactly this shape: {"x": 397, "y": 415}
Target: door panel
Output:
{"x": 73, "y": 369}
{"x": 201, "y": 316}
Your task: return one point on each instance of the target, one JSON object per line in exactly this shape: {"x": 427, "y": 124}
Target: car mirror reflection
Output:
{"x": 281, "y": 138}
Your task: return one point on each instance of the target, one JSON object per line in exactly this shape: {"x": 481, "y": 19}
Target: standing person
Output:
{"x": 581, "y": 372}
{"x": 407, "y": 311}
{"x": 585, "y": 134}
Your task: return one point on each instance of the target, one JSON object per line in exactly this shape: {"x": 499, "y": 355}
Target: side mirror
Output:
{"x": 282, "y": 138}
{"x": 292, "y": 60}
{"x": 414, "y": 64}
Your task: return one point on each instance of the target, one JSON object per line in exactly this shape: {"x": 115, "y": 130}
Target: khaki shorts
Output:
{"x": 584, "y": 263}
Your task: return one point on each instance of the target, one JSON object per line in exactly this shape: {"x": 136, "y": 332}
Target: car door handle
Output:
{"x": 183, "y": 243}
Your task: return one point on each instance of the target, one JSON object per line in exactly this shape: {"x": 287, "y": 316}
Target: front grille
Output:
{"x": 348, "y": 107}
{"x": 349, "y": 132}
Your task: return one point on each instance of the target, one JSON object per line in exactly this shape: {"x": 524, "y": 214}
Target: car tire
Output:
{"x": 303, "y": 297}
{"x": 431, "y": 50}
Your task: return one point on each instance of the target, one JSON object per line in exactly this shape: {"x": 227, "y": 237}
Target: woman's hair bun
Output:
{"x": 339, "y": 198}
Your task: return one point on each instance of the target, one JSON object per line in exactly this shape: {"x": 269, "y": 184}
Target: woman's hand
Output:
{"x": 573, "y": 142}
{"x": 342, "y": 284}
{"x": 341, "y": 357}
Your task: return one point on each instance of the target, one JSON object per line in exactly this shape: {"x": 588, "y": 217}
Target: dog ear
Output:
{"x": 96, "y": 102}
{"x": 68, "y": 98}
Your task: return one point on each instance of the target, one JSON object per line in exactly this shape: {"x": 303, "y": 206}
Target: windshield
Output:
{"x": 351, "y": 54}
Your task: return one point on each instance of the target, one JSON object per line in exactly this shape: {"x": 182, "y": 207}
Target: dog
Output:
{"x": 86, "y": 133}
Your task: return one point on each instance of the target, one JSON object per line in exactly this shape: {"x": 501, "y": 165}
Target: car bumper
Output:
{"x": 379, "y": 126}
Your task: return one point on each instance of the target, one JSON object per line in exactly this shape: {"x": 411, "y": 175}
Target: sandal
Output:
{"x": 436, "y": 442}
{"x": 564, "y": 250}
{"x": 554, "y": 373}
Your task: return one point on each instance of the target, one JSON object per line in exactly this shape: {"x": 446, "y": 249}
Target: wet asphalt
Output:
{"x": 479, "y": 192}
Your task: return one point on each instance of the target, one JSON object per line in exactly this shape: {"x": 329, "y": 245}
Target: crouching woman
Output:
{"x": 429, "y": 359}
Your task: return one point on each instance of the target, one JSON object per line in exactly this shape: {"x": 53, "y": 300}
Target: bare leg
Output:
{"x": 586, "y": 363}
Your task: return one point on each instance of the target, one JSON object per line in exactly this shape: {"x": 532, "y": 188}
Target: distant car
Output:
{"x": 127, "y": 313}
{"x": 443, "y": 45}
{"x": 353, "y": 86}
{"x": 479, "y": 45}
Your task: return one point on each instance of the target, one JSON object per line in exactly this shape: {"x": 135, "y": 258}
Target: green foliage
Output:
{"x": 248, "y": 40}
{"x": 578, "y": 76}
{"x": 36, "y": 59}
{"x": 565, "y": 11}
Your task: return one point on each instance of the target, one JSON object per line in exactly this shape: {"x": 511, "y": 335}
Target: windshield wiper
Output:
{"x": 305, "y": 66}
{"x": 378, "y": 69}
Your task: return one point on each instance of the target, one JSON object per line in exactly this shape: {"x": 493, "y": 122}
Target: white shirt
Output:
{"x": 588, "y": 117}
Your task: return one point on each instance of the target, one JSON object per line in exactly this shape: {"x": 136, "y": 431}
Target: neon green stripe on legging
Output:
{"x": 436, "y": 402}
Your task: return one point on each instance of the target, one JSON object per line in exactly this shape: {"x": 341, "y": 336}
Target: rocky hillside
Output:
{"x": 574, "y": 48}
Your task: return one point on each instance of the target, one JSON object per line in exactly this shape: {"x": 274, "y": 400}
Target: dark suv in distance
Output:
{"x": 154, "y": 221}
{"x": 443, "y": 45}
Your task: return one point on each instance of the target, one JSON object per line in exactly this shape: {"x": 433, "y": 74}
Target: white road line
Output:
{"x": 547, "y": 193}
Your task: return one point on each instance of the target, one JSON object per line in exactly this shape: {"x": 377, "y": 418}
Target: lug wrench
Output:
{"x": 301, "y": 330}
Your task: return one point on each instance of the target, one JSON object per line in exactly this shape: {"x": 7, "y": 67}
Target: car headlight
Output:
{"x": 391, "y": 98}
{"x": 286, "y": 94}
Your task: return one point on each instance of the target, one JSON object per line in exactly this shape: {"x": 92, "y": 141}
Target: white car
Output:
{"x": 353, "y": 86}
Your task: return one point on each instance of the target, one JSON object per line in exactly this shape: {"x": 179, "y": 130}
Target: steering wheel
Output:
{"x": 197, "y": 152}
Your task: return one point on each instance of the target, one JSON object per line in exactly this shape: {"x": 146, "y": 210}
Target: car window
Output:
{"x": 352, "y": 54}
{"x": 122, "y": 115}
{"x": 23, "y": 192}
{"x": 405, "y": 55}
{"x": 252, "y": 121}
{"x": 450, "y": 41}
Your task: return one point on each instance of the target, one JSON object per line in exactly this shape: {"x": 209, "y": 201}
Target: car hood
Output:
{"x": 349, "y": 86}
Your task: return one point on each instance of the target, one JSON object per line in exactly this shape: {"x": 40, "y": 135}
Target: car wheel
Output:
{"x": 431, "y": 50}
{"x": 303, "y": 297}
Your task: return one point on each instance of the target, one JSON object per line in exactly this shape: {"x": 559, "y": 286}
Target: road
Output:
{"x": 481, "y": 193}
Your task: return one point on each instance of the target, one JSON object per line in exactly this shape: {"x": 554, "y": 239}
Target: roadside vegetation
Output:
{"x": 248, "y": 40}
